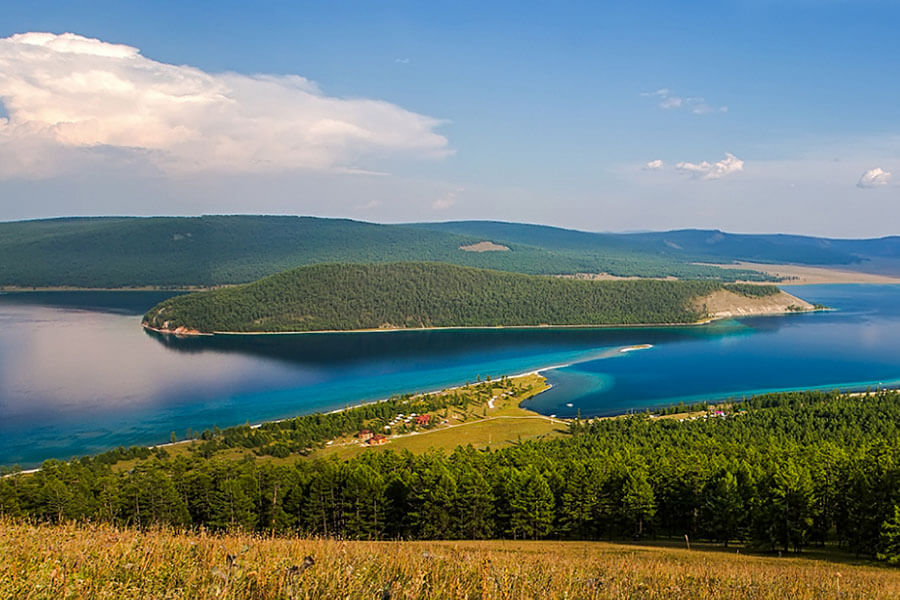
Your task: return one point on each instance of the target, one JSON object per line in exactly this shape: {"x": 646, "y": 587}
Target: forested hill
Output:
{"x": 218, "y": 250}
{"x": 413, "y": 295}
{"x": 685, "y": 245}
{"x": 228, "y": 249}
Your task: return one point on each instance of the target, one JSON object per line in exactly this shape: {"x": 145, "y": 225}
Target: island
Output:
{"x": 421, "y": 295}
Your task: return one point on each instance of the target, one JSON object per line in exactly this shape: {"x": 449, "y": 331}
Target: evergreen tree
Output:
{"x": 432, "y": 499}
{"x": 638, "y": 502}
{"x": 787, "y": 507}
{"x": 723, "y": 508}
{"x": 9, "y": 503}
{"x": 889, "y": 541}
{"x": 364, "y": 503}
{"x": 474, "y": 506}
{"x": 531, "y": 505}
{"x": 232, "y": 507}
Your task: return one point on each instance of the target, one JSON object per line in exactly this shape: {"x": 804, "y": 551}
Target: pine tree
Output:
{"x": 722, "y": 507}
{"x": 638, "y": 501}
{"x": 474, "y": 505}
{"x": 9, "y": 503}
{"x": 364, "y": 503}
{"x": 889, "y": 541}
{"x": 232, "y": 507}
{"x": 531, "y": 505}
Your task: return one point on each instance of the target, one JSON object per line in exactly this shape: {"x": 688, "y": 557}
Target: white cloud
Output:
{"x": 671, "y": 102}
{"x": 654, "y": 165}
{"x": 705, "y": 170}
{"x": 370, "y": 205}
{"x": 872, "y": 178}
{"x": 698, "y": 105}
{"x": 69, "y": 97}
{"x": 446, "y": 200}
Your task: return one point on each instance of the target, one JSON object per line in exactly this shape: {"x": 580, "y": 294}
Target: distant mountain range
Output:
{"x": 218, "y": 250}
{"x": 868, "y": 255}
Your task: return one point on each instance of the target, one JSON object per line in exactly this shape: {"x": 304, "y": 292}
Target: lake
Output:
{"x": 78, "y": 375}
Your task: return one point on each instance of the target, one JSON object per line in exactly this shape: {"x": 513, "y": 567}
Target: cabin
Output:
{"x": 364, "y": 435}
{"x": 377, "y": 440}
{"x": 423, "y": 419}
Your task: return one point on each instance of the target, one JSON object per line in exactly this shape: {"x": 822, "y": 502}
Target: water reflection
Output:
{"x": 78, "y": 375}
{"x": 435, "y": 345}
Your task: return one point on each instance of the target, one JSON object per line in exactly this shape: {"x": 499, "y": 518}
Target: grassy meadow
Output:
{"x": 485, "y": 423}
{"x": 101, "y": 561}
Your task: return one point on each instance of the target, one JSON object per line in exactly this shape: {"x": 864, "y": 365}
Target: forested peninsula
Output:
{"x": 345, "y": 297}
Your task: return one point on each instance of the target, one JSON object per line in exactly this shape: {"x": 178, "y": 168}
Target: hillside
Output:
{"x": 220, "y": 250}
{"x": 415, "y": 295}
{"x": 725, "y": 304}
{"x": 695, "y": 245}
{"x": 217, "y": 250}
{"x": 792, "y": 472}
{"x": 100, "y": 561}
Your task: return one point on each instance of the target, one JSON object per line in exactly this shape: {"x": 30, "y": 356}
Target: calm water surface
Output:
{"x": 78, "y": 375}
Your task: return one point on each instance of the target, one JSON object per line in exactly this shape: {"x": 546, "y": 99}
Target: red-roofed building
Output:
{"x": 423, "y": 419}
{"x": 364, "y": 435}
{"x": 377, "y": 440}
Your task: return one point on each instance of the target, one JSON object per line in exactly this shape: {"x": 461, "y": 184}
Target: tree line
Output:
{"x": 778, "y": 472}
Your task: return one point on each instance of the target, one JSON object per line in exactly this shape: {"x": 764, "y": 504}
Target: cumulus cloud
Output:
{"x": 68, "y": 96}
{"x": 706, "y": 170}
{"x": 873, "y": 178}
{"x": 696, "y": 105}
{"x": 446, "y": 200}
{"x": 654, "y": 165}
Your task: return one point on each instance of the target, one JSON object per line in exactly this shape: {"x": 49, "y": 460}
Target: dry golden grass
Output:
{"x": 99, "y": 561}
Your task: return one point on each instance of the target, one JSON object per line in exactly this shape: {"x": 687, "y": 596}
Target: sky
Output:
{"x": 740, "y": 115}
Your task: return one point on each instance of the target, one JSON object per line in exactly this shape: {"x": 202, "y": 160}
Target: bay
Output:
{"x": 78, "y": 375}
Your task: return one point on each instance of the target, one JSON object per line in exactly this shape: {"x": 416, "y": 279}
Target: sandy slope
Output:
{"x": 724, "y": 304}
{"x": 804, "y": 275}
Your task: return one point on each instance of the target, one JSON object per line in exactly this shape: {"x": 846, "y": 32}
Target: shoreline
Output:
{"x": 706, "y": 321}
{"x": 847, "y": 391}
{"x": 797, "y": 274}
{"x": 539, "y": 371}
{"x": 17, "y": 289}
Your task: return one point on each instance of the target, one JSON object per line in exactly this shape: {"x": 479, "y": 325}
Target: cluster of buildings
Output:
{"x": 372, "y": 439}
{"x": 717, "y": 413}
{"x": 367, "y": 436}
{"x": 409, "y": 419}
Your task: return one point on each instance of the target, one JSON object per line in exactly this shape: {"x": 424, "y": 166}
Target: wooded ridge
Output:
{"x": 331, "y": 297}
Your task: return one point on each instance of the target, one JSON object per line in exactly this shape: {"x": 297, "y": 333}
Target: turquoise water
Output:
{"x": 78, "y": 375}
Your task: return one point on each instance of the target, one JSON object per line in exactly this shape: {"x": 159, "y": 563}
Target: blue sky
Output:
{"x": 745, "y": 116}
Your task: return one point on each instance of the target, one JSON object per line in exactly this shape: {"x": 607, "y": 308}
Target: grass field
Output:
{"x": 485, "y": 424}
{"x": 100, "y": 561}
{"x": 491, "y": 420}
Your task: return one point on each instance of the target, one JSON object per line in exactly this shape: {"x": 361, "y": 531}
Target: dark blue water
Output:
{"x": 78, "y": 375}
{"x": 853, "y": 347}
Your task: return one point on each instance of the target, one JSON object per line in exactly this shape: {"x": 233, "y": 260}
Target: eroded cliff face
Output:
{"x": 724, "y": 304}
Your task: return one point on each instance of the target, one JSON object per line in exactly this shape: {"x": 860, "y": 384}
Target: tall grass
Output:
{"x": 100, "y": 561}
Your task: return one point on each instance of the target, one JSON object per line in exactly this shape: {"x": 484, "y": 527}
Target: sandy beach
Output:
{"x": 806, "y": 275}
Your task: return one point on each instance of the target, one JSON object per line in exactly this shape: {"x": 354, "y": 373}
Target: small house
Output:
{"x": 423, "y": 419}
{"x": 364, "y": 435}
{"x": 377, "y": 440}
